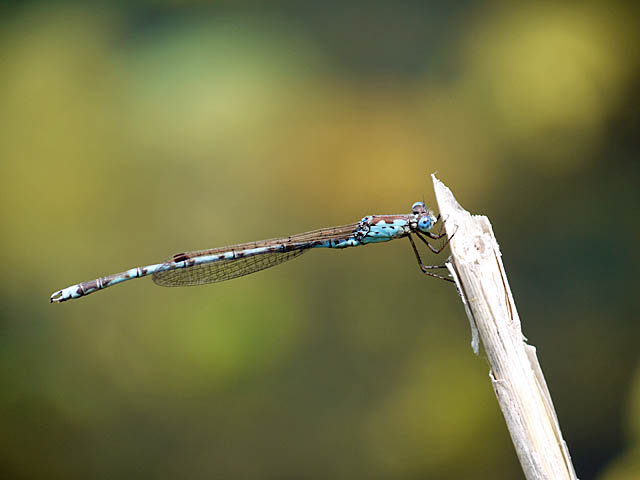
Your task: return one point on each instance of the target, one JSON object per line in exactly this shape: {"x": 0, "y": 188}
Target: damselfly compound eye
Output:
{"x": 424, "y": 224}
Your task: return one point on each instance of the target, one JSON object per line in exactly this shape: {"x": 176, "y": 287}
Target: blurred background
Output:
{"x": 135, "y": 130}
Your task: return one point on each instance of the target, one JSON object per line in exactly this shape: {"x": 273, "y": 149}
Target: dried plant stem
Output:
{"x": 517, "y": 378}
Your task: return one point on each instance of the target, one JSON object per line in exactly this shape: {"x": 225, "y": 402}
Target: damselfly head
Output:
{"x": 424, "y": 217}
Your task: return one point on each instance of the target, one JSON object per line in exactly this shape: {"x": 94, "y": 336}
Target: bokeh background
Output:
{"x": 134, "y": 130}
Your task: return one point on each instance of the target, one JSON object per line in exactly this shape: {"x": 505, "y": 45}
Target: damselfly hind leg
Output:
{"x": 425, "y": 268}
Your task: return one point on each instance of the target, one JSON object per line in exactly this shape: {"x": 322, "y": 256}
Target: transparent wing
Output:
{"x": 227, "y": 269}
{"x": 222, "y": 270}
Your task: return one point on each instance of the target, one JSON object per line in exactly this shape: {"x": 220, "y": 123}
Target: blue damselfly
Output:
{"x": 225, "y": 263}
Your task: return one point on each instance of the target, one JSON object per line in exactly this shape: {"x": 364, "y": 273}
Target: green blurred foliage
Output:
{"x": 131, "y": 131}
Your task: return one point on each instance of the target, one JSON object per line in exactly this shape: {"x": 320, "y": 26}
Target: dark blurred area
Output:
{"x": 135, "y": 130}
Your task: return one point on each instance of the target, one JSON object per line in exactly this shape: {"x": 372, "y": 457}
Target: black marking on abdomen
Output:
{"x": 180, "y": 257}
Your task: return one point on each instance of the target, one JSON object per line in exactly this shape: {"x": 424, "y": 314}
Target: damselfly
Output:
{"x": 225, "y": 263}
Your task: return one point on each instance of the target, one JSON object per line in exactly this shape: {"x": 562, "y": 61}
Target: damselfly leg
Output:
{"x": 425, "y": 268}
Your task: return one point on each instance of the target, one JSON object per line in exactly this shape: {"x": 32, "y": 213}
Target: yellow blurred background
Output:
{"x": 135, "y": 130}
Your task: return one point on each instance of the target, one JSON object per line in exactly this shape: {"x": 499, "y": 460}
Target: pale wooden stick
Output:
{"x": 476, "y": 265}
